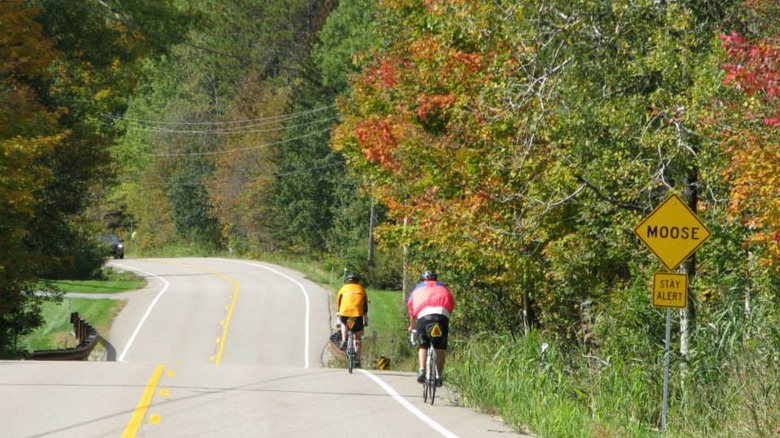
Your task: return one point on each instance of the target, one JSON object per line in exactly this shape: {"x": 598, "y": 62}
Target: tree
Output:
{"x": 750, "y": 125}
{"x": 27, "y": 132}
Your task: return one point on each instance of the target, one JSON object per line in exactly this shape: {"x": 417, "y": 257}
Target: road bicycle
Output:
{"x": 431, "y": 372}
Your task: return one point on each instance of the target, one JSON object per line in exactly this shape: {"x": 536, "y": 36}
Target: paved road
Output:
{"x": 222, "y": 348}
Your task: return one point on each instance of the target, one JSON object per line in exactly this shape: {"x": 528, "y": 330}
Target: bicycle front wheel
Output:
{"x": 433, "y": 375}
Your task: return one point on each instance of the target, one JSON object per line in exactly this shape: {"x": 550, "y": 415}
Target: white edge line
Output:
{"x": 305, "y": 296}
{"x": 148, "y": 310}
{"x": 405, "y": 403}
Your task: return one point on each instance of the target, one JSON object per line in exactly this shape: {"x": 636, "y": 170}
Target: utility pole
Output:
{"x": 404, "y": 285}
{"x": 371, "y": 233}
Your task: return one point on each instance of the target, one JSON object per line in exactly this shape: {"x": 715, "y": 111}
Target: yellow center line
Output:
{"x": 229, "y": 308}
{"x": 228, "y": 318}
{"x": 146, "y": 398}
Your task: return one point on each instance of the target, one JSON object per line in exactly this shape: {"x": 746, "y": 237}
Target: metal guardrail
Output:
{"x": 87, "y": 336}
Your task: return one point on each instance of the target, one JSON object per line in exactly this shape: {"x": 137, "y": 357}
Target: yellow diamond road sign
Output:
{"x": 672, "y": 231}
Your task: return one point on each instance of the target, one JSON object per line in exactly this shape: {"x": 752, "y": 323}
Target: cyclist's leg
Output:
{"x": 423, "y": 340}
{"x": 357, "y": 329}
{"x": 358, "y": 337}
{"x": 343, "y": 331}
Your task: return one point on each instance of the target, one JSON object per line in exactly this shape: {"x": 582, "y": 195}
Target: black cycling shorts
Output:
{"x": 353, "y": 323}
{"x": 433, "y": 329}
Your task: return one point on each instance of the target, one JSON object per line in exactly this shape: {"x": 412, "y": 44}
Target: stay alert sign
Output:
{"x": 670, "y": 290}
{"x": 672, "y": 232}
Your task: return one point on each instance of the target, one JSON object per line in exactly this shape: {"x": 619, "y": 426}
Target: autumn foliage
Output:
{"x": 752, "y": 143}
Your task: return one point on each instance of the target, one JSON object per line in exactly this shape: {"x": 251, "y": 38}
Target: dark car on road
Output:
{"x": 115, "y": 243}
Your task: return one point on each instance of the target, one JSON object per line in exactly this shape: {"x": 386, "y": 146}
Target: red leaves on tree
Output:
{"x": 754, "y": 68}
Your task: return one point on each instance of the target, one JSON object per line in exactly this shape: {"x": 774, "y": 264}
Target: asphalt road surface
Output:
{"x": 222, "y": 348}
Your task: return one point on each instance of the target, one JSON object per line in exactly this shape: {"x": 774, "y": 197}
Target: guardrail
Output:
{"x": 87, "y": 336}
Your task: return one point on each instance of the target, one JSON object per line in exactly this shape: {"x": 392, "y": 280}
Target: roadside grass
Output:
{"x": 568, "y": 395}
{"x": 113, "y": 282}
{"x": 386, "y": 334}
{"x": 56, "y": 331}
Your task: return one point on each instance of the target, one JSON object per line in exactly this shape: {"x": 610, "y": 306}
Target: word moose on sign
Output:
{"x": 672, "y": 232}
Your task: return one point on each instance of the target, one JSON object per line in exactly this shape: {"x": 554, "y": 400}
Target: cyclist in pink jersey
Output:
{"x": 430, "y": 305}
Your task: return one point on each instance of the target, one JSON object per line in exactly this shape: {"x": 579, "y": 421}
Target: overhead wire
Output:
{"x": 247, "y": 129}
{"x": 228, "y": 151}
{"x": 269, "y": 120}
{"x": 274, "y": 175}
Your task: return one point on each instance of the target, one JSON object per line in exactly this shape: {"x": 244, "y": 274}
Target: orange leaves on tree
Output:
{"x": 433, "y": 105}
{"x": 754, "y": 175}
{"x": 376, "y": 139}
{"x": 384, "y": 75}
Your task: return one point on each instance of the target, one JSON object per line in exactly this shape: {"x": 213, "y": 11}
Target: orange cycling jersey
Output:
{"x": 352, "y": 300}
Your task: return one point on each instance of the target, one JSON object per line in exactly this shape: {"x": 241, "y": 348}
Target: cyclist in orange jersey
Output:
{"x": 352, "y": 304}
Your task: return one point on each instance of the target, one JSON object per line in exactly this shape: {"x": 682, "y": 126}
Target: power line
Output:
{"x": 270, "y": 119}
{"x": 231, "y": 130}
{"x": 274, "y": 175}
{"x": 189, "y": 154}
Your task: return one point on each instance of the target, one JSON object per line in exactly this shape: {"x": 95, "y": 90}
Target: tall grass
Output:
{"x": 728, "y": 387}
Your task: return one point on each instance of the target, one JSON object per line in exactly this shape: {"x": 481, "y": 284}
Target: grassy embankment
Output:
{"x": 569, "y": 395}
{"x": 56, "y": 330}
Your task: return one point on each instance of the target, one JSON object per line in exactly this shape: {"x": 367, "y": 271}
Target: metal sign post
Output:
{"x": 669, "y": 291}
{"x": 666, "y": 368}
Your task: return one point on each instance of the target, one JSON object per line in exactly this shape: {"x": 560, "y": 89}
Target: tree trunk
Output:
{"x": 526, "y": 312}
{"x": 688, "y": 314}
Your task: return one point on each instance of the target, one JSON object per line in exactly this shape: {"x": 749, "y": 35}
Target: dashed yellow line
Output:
{"x": 146, "y": 398}
{"x": 230, "y": 308}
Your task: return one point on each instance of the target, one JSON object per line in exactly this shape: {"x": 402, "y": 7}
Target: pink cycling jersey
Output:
{"x": 430, "y": 298}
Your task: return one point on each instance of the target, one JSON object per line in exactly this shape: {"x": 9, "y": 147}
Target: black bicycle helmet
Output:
{"x": 352, "y": 278}
{"x": 428, "y": 275}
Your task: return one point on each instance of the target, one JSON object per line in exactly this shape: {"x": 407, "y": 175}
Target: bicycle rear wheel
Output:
{"x": 432, "y": 372}
{"x": 350, "y": 353}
